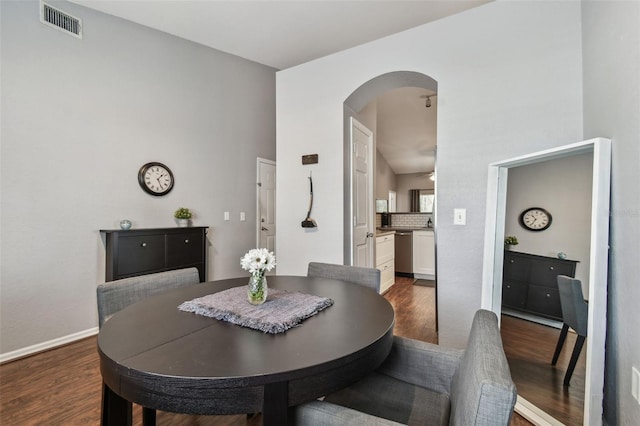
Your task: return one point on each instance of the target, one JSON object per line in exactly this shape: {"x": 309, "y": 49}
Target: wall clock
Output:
{"x": 535, "y": 219}
{"x": 155, "y": 178}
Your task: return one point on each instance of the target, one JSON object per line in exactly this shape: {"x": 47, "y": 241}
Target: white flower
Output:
{"x": 258, "y": 260}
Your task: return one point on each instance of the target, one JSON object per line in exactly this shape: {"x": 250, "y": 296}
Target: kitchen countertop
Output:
{"x": 392, "y": 229}
{"x": 381, "y": 232}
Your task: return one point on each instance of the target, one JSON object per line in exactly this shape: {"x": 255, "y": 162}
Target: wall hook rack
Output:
{"x": 308, "y": 222}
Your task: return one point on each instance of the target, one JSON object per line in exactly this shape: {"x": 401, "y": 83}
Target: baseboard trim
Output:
{"x": 532, "y": 318}
{"x": 424, "y": 276}
{"x": 534, "y": 414}
{"x": 45, "y": 346}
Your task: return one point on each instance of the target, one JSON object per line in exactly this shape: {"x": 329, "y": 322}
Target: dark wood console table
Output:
{"x": 155, "y": 355}
{"x": 529, "y": 283}
{"x": 145, "y": 251}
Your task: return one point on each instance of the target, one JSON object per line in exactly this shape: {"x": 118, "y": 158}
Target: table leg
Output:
{"x": 276, "y": 404}
{"x": 148, "y": 416}
{"x": 116, "y": 411}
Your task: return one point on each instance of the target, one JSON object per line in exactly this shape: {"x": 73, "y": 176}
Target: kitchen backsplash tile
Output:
{"x": 406, "y": 220}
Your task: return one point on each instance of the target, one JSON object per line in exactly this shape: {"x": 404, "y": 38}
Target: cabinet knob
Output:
{"x": 548, "y": 295}
{"x": 143, "y": 245}
{"x": 511, "y": 261}
{"x": 186, "y": 241}
{"x": 551, "y": 268}
{"x": 508, "y": 286}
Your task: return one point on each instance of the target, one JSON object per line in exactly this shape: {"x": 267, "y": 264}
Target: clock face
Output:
{"x": 155, "y": 178}
{"x": 535, "y": 219}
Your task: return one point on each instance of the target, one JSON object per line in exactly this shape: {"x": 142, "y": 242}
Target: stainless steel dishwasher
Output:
{"x": 404, "y": 253}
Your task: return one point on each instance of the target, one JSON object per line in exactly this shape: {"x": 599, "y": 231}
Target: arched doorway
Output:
{"x": 352, "y": 109}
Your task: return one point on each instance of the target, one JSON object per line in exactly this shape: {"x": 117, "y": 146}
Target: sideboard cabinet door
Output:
{"x": 140, "y": 254}
{"x": 184, "y": 248}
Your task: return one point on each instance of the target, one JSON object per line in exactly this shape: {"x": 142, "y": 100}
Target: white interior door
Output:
{"x": 362, "y": 194}
{"x": 266, "y": 196}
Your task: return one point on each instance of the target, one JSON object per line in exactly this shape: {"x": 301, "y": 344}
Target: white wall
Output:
{"x": 79, "y": 118}
{"x": 385, "y": 178}
{"x": 509, "y": 83}
{"x": 611, "y": 40}
{"x": 563, "y": 188}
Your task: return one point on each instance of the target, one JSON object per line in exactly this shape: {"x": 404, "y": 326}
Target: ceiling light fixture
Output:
{"x": 432, "y": 176}
{"x": 427, "y": 103}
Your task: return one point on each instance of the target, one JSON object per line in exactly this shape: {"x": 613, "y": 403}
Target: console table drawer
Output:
{"x": 544, "y": 301}
{"x": 516, "y": 268}
{"x": 140, "y": 253}
{"x": 184, "y": 249}
{"x": 545, "y": 272}
{"x": 514, "y": 294}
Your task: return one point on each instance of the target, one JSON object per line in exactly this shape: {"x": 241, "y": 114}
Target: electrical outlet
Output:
{"x": 459, "y": 216}
{"x": 635, "y": 383}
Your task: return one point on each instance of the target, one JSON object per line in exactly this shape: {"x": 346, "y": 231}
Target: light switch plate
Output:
{"x": 459, "y": 216}
{"x": 243, "y": 216}
{"x": 226, "y": 215}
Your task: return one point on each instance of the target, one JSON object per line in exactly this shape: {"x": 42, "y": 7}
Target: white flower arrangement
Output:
{"x": 258, "y": 260}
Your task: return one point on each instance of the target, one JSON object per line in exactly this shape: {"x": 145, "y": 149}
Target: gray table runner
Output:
{"x": 280, "y": 312}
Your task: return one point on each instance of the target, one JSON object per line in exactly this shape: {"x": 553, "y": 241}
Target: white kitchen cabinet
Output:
{"x": 385, "y": 260}
{"x": 424, "y": 254}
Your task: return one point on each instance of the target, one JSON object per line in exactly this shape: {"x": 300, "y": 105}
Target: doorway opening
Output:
{"x": 396, "y": 90}
{"x": 266, "y": 204}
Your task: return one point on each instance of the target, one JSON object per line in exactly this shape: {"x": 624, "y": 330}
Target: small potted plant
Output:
{"x": 182, "y": 215}
{"x": 509, "y": 241}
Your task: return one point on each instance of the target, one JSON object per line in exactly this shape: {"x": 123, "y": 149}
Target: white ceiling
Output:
{"x": 283, "y": 34}
{"x": 406, "y": 129}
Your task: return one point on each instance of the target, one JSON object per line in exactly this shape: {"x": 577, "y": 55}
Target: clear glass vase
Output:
{"x": 257, "y": 291}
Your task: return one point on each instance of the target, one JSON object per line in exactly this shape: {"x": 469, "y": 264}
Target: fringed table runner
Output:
{"x": 280, "y": 312}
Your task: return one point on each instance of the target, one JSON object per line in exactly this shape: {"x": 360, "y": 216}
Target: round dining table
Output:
{"x": 155, "y": 355}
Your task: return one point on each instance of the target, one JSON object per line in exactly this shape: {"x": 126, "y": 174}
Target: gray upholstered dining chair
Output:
{"x": 368, "y": 277}
{"x": 575, "y": 311}
{"x": 422, "y": 383}
{"x": 114, "y": 296}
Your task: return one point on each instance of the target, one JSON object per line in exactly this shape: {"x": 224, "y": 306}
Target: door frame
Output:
{"x": 353, "y": 122}
{"x": 260, "y": 161}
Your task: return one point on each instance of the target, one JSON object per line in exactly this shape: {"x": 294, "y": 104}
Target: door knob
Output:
{"x": 369, "y": 234}
{"x": 264, "y": 229}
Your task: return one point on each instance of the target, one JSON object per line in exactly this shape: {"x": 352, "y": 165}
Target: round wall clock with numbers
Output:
{"x": 535, "y": 219}
{"x": 155, "y": 178}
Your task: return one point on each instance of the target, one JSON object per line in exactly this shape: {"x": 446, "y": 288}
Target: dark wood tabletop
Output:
{"x": 155, "y": 355}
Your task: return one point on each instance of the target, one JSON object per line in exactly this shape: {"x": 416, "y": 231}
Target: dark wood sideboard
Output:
{"x": 529, "y": 283}
{"x": 145, "y": 251}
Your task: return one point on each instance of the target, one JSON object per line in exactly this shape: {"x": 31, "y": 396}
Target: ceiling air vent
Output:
{"x": 58, "y": 19}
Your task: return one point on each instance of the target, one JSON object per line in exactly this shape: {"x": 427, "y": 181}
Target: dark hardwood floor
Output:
{"x": 63, "y": 386}
{"x": 415, "y": 308}
{"x": 529, "y": 348}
